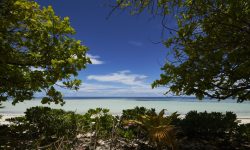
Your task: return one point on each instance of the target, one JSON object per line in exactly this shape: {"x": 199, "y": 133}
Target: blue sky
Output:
{"x": 125, "y": 58}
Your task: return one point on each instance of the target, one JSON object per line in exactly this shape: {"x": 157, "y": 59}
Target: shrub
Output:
{"x": 42, "y": 127}
{"x": 98, "y": 120}
{"x": 243, "y": 133}
{"x": 52, "y": 124}
{"x": 208, "y": 126}
{"x": 133, "y": 131}
{"x": 136, "y": 112}
{"x": 99, "y": 123}
{"x": 158, "y": 129}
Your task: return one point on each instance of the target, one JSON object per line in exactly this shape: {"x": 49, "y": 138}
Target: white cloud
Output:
{"x": 118, "y": 84}
{"x": 92, "y": 87}
{"x": 95, "y": 59}
{"x": 108, "y": 90}
{"x": 135, "y": 43}
{"x": 123, "y": 77}
{"x": 102, "y": 90}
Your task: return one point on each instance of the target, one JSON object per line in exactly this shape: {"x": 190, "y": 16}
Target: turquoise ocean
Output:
{"x": 116, "y": 104}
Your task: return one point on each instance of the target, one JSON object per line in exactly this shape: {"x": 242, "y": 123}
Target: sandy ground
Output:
{"x": 244, "y": 120}
{"x": 6, "y": 116}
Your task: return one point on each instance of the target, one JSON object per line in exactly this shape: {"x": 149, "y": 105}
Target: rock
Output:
{"x": 101, "y": 142}
{"x": 79, "y": 136}
{"x": 88, "y": 135}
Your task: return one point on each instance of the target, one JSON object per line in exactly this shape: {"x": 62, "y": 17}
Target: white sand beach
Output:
{"x": 244, "y": 120}
{"x": 7, "y": 116}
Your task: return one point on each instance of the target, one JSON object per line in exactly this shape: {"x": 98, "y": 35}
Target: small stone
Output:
{"x": 101, "y": 142}
{"x": 88, "y": 134}
{"x": 79, "y": 136}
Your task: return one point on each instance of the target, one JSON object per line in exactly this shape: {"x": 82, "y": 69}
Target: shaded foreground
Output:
{"x": 138, "y": 128}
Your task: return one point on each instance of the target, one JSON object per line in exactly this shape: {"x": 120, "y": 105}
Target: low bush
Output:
{"x": 133, "y": 131}
{"x": 215, "y": 128}
{"x": 156, "y": 129}
{"x": 138, "y": 128}
{"x": 42, "y": 127}
{"x": 100, "y": 124}
{"x": 209, "y": 125}
{"x": 243, "y": 133}
{"x": 98, "y": 120}
{"x": 136, "y": 112}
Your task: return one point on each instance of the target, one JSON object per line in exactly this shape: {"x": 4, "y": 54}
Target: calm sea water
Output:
{"x": 116, "y": 105}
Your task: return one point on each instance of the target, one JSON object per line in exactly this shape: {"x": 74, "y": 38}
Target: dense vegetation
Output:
{"x": 207, "y": 42}
{"x": 209, "y": 56}
{"x": 37, "y": 52}
{"x": 138, "y": 128}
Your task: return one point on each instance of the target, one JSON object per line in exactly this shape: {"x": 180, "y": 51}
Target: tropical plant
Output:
{"x": 52, "y": 122}
{"x": 133, "y": 131}
{"x": 158, "y": 128}
{"x": 243, "y": 133}
{"x": 41, "y": 127}
{"x": 99, "y": 122}
{"x": 207, "y": 43}
{"x": 98, "y": 119}
{"x": 136, "y": 112}
{"x": 46, "y": 128}
{"x": 204, "y": 125}
{"x": 37, "y": 52}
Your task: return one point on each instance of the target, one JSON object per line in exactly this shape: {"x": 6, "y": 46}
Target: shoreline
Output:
{"x": 7, "y": 116}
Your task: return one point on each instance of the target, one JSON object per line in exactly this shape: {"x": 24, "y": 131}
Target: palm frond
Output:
{"x": 158, "y": 127}
{"x": 131, "y": 122}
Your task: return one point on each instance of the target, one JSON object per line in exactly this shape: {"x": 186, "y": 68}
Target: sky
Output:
{"x": 123, "y": 49}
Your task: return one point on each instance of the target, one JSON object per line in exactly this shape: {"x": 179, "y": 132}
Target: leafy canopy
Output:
{"x": 209, "y": 50}
{"x": 37, "y": 52}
